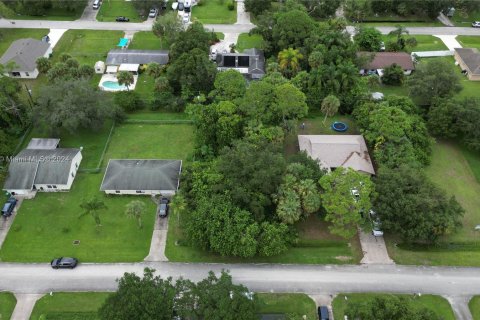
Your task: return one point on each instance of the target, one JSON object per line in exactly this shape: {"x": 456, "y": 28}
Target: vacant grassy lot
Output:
{"x": 87, "y": 46}
{"x": 246, "y": 41}
{"x": 297, "y": 304}
{"x": 452, "y": 172}
{"x": 316, "y": 246}
{"x": 469, "y": 41}
{"x": 7, "y": 36}
{"x": 146, "y": 40}
{"x": 213, "y": 11}
{"x": 93, "y": 143}
{"x": 58, "y": 14}
{"x": 151, "y": 141}
{"x": 437, "y": 304}
{"x": 474, "y": 305}
{"x": 111, "y": 9}
{"x": 7, "y": 304}
{"x": 69, "y": 306}
{"x": 462, "y": 20}
{"x": 424, "y": 43}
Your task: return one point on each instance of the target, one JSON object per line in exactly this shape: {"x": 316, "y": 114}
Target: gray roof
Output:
{"x": 256, "y": 63}
{"x": 134, "y": 174}
{"x": 349, "y": 151}
{"x": 39, "y": 166}
{"x": 471, "y": 58}
{"x": 118, "y": 56}
{"x": 46, "y": 144}
{"x": 25, "y": 52}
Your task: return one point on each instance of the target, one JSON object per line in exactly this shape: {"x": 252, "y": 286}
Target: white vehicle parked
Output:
{"x": 376, "y": 224}
{"x": 174, "y": 6}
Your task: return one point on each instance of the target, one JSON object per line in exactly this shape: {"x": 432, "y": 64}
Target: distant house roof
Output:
{"x": 382, "y": 60}
{"x": 136, "y": 174}
{"x": 349, "y": 151}
{"x": 251, "y": 60}
{"x": 39, "y": 166}
{"x": 39, "y": 143}
{"x": 131, "y": 56}
{"x": 25, "y": 52}
{"x": 471, "y": 58}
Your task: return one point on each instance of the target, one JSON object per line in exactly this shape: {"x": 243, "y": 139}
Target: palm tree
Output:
{"x": 289, "y": 61}
{"x": 399, "y": 32}
{"x": 330, "y": 106}
{"x": 135, "y": 209}
{"x": 92, "y": 207}
{"x": 178, "y": 204}
{"x": 125, "y": 78}
{"x": 154, "y": 69}
{"x": 43, "y": 64}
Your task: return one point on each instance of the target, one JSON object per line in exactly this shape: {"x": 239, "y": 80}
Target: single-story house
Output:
{"x": 469, "y": 61}
{"x": 42, "y": 166}
{"x": 142, "y": 177}
{"x": 24, "y": 53}
{"x": 333, "y": 151}
{"x": 378, "y": 61}
{"x": 250, "y": 63}
{"x": 131, "y": 59}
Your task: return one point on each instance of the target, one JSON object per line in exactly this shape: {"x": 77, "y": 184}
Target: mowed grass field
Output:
{"x": 437, "y": 304}
{"x": 469, "y": 41}
{"x": 46, "y": 226}
{"x": 213, "y": 11}
{"x": 246, "y": 41}
{"x": 7, "y": 304}
{"x": 295, "y": 304}
{"x": 111, "y": 9}
{"x": 146, "y": 40}
{"x": 69, "y": 305}
{"x": 87, "y": 46}
{"x": 451, "y": 171}
{"x": 424, "y": 42}
{"x": 7, "y": 36}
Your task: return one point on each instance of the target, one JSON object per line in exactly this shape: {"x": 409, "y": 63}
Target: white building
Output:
{"x": 142, "y": 177}
{"x": 44, "y": 167}
{"x": 23, "y": 54}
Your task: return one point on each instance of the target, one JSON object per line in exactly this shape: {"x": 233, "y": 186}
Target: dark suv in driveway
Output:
{"x": 64, "y": 263}
{"x": 163, "y": 208}
{"x": 8, "y": 207}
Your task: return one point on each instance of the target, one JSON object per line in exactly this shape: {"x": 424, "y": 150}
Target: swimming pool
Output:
{"x": 113, "y": 85}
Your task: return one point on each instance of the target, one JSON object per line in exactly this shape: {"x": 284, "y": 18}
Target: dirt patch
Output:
{"x": 316, "y": 228}
{"x": 343, "y": 258}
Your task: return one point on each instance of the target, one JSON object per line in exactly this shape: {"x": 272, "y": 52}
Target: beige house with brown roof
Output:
{"x": 332, "y": 151}
{"x": 378, "y": 61}
{"x": 469, "y": 60}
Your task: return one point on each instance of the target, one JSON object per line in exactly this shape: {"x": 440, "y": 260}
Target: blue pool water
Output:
{"x": 113, "y": 85}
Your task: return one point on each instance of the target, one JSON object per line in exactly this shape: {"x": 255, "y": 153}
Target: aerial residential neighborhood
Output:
{"x": 240, "y": 159}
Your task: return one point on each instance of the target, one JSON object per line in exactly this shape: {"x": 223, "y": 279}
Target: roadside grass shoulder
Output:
{"x": 465, "y": 20}
{"x": 424, "y": 43}
{"x": 439, "y": 305}
{"x": 295, "y": 304}
{"x": 55, "y": 14}
{"x": 111, "y": 9}
{"x": 474, "y": 306}
{"x": 469, "y": 41}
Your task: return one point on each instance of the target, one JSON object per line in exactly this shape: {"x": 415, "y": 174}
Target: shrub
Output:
{"x": 231, "y": 6}
{"x": 129, "y": 101}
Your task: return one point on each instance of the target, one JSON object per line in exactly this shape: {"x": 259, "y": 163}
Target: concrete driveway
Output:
{"x": 89, "y": 14}
{"x": 374, "y": 249}
{"x": 159, "y": 240}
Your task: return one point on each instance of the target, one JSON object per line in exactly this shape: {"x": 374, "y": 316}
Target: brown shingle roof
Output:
{"x": 382, "y": 60}
{"x": 471, "y": 58}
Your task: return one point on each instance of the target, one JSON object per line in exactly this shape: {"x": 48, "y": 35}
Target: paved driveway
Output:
{"x": 374, "y": 249}
{"x": 89, "y": 14}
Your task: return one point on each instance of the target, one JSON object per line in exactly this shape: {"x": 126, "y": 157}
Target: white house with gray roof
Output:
{"x": 142, "y": 177}
{"x": 333, "y": 151}
{"x": 23, "y": 54}
{"x": 42, "y": 167}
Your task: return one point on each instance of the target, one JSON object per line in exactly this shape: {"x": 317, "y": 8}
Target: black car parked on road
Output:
{"x": 122, "y": 19}
{"x": 64, "y": 263}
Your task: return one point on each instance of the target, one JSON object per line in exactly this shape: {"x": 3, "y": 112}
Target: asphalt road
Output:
{"x": 446, "y": 281}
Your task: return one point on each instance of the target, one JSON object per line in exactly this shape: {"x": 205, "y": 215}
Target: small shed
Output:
{"x": 100, "y": 67}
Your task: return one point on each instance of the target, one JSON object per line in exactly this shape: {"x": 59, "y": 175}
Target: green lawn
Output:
{"x": 402, "y": 23}
{"x": 473, "y": 159}
{"x": 93, "y": 143}
{"x": 452, "y": 172}
{"x": 69, "y": 306}
{"x": 437, "y": 304}
{"x": 46, "y": 226}
{"x": 58, "y": 14}
{"x": 246, "y": 41}
{"x": 295, "y": 304}
{"x": 213, "y": 11}
{"x": 110, "y": 9}
{"x": 145, "y": 141}
{"x": 7, "y": 304}
{"x": 424, "y": 43}
{"x": 474, "y": 305}
{"x": 469, "y": 41}
{"x": 392, "y": 90}
{"x": 316, "y": 246}
{"x": 146, "y": 40}
{"x": 7, "y": 36}
{"x": 158, "y": 115}
{"x": 465, "y": 21}
{"x": 87, "y": 46}
{"x": 145, "y": 87}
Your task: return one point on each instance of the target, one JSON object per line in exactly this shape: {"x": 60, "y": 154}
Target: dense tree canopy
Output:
{"x": 410, "y": 205}
{"x": 368, "y": 39}
{"x": 195, "y": 37}
{"x": 257, "y": 7}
